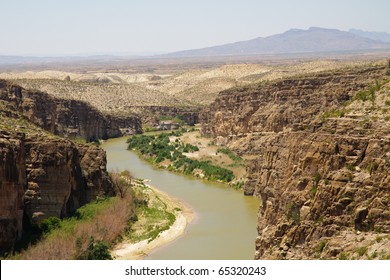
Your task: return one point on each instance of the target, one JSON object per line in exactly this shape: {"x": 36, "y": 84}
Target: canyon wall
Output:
{"x": 42, "y": 174}
{"x": 68, "y": 118}
{"x": 284, "y": 104}
{"x": 318, "y": 153}
{"x": 12, "y": 187}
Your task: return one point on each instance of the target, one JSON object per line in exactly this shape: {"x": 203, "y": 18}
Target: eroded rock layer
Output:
{"x": 43, "y": 176}
{"x": 318, "y": 153}
{"x": 12, "y": 187}
{"x": 66, "y": 117}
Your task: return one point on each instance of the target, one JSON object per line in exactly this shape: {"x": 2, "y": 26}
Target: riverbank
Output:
{"x": 191, "y": 154}
{"x": 225, "y": 225}
{"x": 184, "y": 215}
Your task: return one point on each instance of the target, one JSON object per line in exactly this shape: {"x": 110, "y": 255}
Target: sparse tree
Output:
{"x": 122, "y": 181}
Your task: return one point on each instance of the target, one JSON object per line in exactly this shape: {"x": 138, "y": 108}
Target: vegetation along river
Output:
{"x": 225, "y": 227}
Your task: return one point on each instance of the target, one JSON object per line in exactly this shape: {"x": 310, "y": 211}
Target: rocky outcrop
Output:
{"x": 318, "y": 163}
{"x": 317, "y": 187}
{"x": 285, "y": 104}
{"x": 42, "y": 176}
{"x": 68, "y": 118}
{"x": 55, "y": 183}
{"x": 12, "y": 187}
{"x": 93, "y": 164}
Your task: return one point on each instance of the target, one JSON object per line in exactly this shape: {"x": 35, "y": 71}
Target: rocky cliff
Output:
{"x": 12, "y": 187}
{"x": 285, "y": 104}
{"x": 66, "y": 117}
{"x": 41, "y": 174}
{"x": 317, "y": 150}
{"x": 62, "y": 176}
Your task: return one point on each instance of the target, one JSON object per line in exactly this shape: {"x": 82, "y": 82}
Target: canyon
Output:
{"x": 44, "y": 175}
{"x": 314, "y": 137}
{"x": 64, "y": 117}
{"x": 317, "y": 149}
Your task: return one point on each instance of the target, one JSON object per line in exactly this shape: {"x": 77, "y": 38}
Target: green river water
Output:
{"x": 225, "y": 227}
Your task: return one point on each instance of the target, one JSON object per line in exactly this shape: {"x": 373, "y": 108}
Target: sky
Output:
{"x": 88, "y": 27}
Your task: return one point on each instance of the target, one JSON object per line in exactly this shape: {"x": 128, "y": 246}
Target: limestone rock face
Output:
{"x": 66, "y": 117}
{"x": 285, "y": 104}
{"x": 93, "y": 164}
{"x": 55, "y": 185}
{"x": 12, "y": 186}
{"x": 320, "y": 169}
{"x": 310, "y": 192}
{"x": 43, "y": 176}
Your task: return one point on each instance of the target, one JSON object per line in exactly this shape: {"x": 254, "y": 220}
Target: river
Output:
{"x": 225, "y": 227}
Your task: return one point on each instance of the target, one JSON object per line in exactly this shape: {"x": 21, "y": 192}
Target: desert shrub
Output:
{"x": 293, "y": 213}
{"x": 322, "y": 246}
{"x": 369, "y": 94}
{"x": 159, "y": 148}
{"x": 188, "y": 148}
{"x": 212, "y": 172}
{"x": 96, "y": 250}
{"x": 230, "y": 154}
{"x": 104, "y": 220}
{"x": 49, "y": 224}
{"x": 344, "y": 256}
{"x": 361, "y": 251}
{"x": 335, "y": 113}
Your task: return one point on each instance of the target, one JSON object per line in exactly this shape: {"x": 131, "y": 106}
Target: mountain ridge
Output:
{"x": 379, "y": 36}
{"x": 312, "y": 40}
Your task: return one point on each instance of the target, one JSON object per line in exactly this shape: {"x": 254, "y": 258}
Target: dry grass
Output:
{"x": 103, "y": 221}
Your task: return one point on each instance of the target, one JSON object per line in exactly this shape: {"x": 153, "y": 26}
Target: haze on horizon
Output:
{"x": 54, "y": 27}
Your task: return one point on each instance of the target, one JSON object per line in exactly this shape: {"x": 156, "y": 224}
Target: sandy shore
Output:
{"x": 136, "y": 251}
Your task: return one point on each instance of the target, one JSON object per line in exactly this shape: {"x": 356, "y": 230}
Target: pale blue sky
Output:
{"x": 58, "y": 27}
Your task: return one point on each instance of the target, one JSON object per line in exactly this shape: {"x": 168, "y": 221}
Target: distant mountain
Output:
{"x": 379, "y": 36}
{"x": 313, "y": 40}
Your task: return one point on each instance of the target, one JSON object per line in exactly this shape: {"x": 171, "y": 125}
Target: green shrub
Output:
{"x": 335, "y": 113}
{"x": 344, "y": 256}
{"x": 322, "y": 245}
{"x": 230, "y": 154}
{"x": 188, "y": 148}
{"x": 98, "y": 250}
{"x": 159, "y": 148}
{"x": 350, "y": 167}
{"x": 293, "y": 212}
{"x": 48, "y": 224}
{"x": 368, "y": 94}
{"x": 316, "y": 179}
{"x": 361, "y": 251}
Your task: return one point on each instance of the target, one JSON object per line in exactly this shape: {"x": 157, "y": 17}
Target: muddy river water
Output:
{"x": 225, "y": 227}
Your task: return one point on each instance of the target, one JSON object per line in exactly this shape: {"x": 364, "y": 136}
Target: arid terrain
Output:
{"x": 125, "y": 92}
{"x": 310, "y": 140}
{"x": 319, "y": 148}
